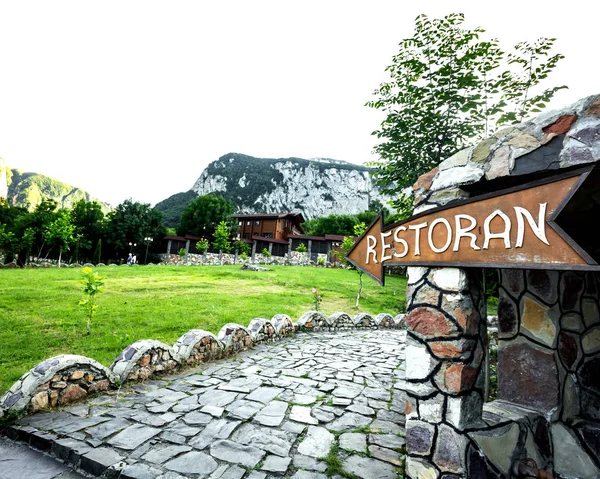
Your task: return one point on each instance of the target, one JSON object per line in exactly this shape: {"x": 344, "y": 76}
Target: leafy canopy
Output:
{"x": 202, "y": 216}
{"x": 131, "y": 222}
{"x": 447, "y": 89}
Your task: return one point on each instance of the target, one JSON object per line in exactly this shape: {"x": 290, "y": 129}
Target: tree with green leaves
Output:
{"x": 448, "y": 88}
{"x": 88, "y": 219}
{"x": 202, "y": 246}
{"x": 131, "y": 222}
{"x": 241, "y": 247}
{"x": 221, "y": 235}
{"x": 61, "y": 233}
{"x": 38, "y": 222}
{"x": 202, "y": 216}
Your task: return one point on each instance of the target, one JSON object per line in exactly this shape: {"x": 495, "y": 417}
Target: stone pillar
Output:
{"x": 187, "y": 250}
{"x": 168, "y": 248}
{"x": 309, "y": 250}
{"x": 328, "y": 254}
{"x": 253, "y": 252}
{"x": 290, "y": 249}
{"x": 271, "y": 248}
{"x": 445, "y": 352}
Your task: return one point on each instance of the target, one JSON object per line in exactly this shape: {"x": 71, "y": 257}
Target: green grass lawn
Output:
{"x": 40, "y": 316}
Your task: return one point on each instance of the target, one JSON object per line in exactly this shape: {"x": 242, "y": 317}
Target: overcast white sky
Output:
{"x": 133, "y": 99}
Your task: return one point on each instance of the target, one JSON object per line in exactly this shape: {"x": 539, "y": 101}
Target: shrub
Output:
{"x": 265, "y": 253}
{"x": 202, "y": 246}
{"x": 301, "y": 248}
{"x": 181, "y": 252}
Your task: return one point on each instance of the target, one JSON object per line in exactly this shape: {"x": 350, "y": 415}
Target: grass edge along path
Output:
{"x": 40, "y": 316}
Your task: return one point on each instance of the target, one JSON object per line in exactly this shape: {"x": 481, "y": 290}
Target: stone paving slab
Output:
{"x": 274, "y": 411}
{"x": 17, "y": 461}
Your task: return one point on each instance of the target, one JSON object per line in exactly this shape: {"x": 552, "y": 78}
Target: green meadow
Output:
{"x": 40, "y": 316}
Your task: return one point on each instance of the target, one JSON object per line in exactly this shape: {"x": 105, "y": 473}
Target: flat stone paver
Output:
{"x": 275, "y": 410}
{"x": 17, "y": 461}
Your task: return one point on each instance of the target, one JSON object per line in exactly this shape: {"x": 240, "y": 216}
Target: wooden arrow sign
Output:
{"x": 513, "y": 228}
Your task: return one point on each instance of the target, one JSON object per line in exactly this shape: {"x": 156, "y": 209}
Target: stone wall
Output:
{"x": 548, "y": 326}
{"x": 193, "y": 259}
{"x": 68, "y": 378}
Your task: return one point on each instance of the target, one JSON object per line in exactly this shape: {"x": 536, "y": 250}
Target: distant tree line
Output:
{"x": 82, "y": 233}
{"x": 345, "y": 225}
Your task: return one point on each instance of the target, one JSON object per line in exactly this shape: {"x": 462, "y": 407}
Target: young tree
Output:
{"x": 202, "y": 245}
{"x": 61, "y": 233}
{"x": 221, "y": 235}
{"x": 241, "y": 247}
{"x": 202, "y": 215}
{"x": 345, "y": 247}
{"x": 447, "y": 89}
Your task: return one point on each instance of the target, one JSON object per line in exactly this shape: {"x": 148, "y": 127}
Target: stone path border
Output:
{"x": 68, "y": 378}
{"x": 306, "y": 407}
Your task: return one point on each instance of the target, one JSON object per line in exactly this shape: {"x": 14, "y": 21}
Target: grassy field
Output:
{"x": 40, "y": 316}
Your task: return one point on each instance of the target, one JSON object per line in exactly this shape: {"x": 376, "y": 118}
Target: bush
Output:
{"x": 265, "y": 253}
{"x": 301, "y": 248}
{"x": 202, "y": 246}
{"x": 181, "y": 252}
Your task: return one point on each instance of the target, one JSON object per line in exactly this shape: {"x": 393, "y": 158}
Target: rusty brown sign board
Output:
{"x": 512, "y": 228}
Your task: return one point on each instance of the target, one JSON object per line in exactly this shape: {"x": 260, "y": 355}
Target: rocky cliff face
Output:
{"x": 316, "y": 187}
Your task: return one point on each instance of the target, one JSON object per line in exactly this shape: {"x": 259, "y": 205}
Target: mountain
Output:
{"x": 173, "y": 206}
{"x": 316, "y": 187}
{"x": 27, "y": 189}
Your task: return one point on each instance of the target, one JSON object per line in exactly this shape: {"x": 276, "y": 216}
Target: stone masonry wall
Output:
{"x": 548, "y": 326}
{"x": 446, "y": 347}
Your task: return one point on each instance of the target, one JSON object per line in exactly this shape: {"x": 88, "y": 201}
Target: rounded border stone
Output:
{"x": 312, "y": 321}
{"x": 384, "y": 320}
{"x": 283, "y": 325}
{"x": 19, "y": 396}
{"x": 364, "y": 320}
{"x": 140, "y": 354}
{"x": 200, "y": 340}
{"x": 262, "y": 330}
{"x": 340, "y": 320}
{"x": 235, "y": 337}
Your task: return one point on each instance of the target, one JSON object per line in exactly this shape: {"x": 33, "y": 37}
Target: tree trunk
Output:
{"x": 359, "y": 288}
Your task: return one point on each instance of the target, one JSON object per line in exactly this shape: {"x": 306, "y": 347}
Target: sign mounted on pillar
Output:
{"x": 513, "y": 228}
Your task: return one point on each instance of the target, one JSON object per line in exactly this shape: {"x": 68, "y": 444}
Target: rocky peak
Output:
{"x": 315, "y": 187}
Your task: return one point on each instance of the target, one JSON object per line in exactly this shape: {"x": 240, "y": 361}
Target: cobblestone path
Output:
{"x": 308, "y": 407}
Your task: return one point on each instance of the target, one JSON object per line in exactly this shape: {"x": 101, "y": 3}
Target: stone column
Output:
{"x": 187, "y": 250}
{"x": 445, "y": 351}
{"x": 328, "y": 254}
{"x": 290, "y": 249}
{"x": 253, "y": 252}
{"x": 309, "y": 250}
{"x": 168, "y": 249}
{"x": 271, "y": 248}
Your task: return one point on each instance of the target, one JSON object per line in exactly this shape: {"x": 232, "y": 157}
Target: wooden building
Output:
{"x": 269, "y": 226}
